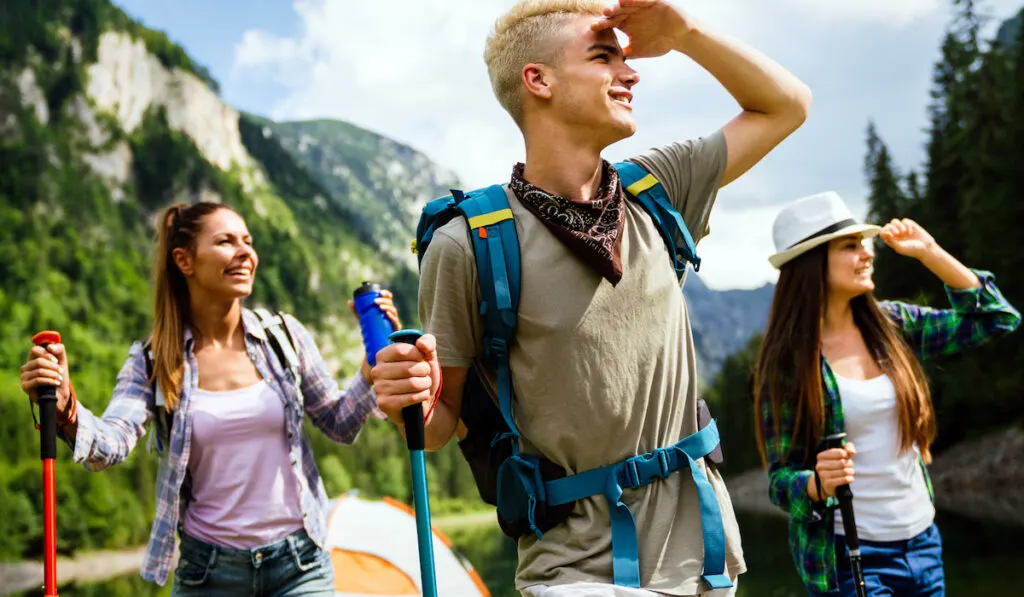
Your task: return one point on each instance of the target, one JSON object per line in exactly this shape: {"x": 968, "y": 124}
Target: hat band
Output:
{"x": 826, "y": 230}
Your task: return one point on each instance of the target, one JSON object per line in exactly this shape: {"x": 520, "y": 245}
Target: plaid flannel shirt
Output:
{"x": 105, "y": 441}
{"x": 977, "y": 316}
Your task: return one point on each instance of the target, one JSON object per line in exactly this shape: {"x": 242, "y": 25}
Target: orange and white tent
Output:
{"x": 375, "y": 552}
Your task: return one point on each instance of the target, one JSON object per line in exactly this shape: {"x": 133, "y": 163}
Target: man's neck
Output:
{"x": 559, "y": 163}
{"x": 217, "y": 323}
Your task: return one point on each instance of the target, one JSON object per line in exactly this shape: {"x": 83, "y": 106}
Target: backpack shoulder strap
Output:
{"x": 651, "y": 195}
{"x": 280, "y": 339}
{"x": 435, "y": 214}
{"x": 162, "y": 419}
{"x": 496, "y": 249}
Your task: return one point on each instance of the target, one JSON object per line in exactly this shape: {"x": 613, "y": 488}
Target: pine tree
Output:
{"x": 913, "y": 192}
{"x": 885, "y": 202}
{"x": 953, "y": 97}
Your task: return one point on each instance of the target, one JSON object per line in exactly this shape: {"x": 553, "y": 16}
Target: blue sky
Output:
{"x": 413, "y": 71}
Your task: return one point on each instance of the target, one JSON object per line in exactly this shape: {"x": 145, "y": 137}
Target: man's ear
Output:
{"x": 183, "y": 260}
{"x": 538, "y": 79}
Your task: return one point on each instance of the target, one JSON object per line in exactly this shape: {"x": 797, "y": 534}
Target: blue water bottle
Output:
{"x": 373, "y": 322}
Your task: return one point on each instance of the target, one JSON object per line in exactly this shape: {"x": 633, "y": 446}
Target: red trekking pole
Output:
{"x": 48, "y": 452}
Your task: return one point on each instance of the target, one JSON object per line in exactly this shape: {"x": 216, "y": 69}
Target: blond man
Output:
{"x": 603, "y": 362}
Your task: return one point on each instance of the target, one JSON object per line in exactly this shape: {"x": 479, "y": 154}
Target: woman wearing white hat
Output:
{"x": 836, "y": 360}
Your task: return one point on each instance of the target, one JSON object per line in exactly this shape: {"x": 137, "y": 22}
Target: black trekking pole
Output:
{"x": 845, "y": 496}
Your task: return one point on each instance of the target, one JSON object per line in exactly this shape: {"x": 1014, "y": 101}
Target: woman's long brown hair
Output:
{"x": 788, "y": 368}
{"x": 177, "y": 229}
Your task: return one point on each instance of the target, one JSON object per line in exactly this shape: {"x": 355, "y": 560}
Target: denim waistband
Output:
{"x": 199, "y": 550}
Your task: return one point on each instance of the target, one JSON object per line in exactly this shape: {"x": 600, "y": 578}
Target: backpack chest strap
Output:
{"x": 641, "y": 470}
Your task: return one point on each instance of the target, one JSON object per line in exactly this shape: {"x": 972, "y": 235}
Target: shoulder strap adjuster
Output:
{"x": 496, "y": 348}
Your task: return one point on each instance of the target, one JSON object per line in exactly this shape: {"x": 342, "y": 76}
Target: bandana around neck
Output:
{"x": 592, "y": 230}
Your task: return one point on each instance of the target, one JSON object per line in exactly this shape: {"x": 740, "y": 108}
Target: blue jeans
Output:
{"x": 911, "y": 568}
{"x": 292, "y": 567}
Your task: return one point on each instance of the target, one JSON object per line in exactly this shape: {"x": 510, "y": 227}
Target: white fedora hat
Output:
{"x": 812, "y": 221}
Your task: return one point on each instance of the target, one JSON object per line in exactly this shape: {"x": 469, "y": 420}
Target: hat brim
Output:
{"x": 781, "y": 258}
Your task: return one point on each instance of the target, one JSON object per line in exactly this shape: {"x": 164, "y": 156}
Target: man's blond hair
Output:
{"x": 527, "y": 33}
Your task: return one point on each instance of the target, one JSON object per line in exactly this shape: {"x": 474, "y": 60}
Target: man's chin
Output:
{"x": 622, "y": 129}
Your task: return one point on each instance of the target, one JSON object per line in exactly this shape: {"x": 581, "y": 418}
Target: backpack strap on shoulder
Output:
{"x": 496, "y": 249}
{"x": 280, "y": 340}
{"x": 651, "y": 195}
{"x": 162, "y": 419}
{"x": 430, "y": 221}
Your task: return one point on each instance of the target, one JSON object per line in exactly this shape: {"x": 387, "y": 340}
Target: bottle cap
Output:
{"x": 366, "y": 287}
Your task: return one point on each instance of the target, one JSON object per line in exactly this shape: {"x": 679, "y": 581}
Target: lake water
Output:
{"x": 981, "y": 559}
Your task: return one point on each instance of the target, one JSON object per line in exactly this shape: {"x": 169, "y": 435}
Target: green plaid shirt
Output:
{"x": 977, "y": 316}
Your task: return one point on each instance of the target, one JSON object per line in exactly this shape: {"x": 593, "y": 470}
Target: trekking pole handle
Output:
{"x": 838, "y": 440}
{"x": 844, "y": 494}
{"x": 47, "y": 400}
{"x": 412, "y": 415}
{"x": 46, "y": 397}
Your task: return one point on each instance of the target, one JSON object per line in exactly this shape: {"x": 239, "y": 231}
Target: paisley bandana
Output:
{"x": 592, "y": 230}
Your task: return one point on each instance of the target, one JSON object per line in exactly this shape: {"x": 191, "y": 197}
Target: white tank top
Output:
{"x": 890, "y": 498}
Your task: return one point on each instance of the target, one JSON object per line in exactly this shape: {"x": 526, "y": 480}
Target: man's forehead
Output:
{"x": 589, "y": 38}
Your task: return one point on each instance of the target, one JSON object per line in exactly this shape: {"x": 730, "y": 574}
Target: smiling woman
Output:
{"x": 239, "y": 482}
{"x": 834, "y": 360}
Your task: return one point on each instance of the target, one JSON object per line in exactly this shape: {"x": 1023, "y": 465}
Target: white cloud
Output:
{"x": 735, "y": 254}
{"x": 413, "y": 70}
{"x": 890, "y": 13}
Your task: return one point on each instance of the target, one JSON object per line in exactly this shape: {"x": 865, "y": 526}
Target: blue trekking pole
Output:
{"x": 377, "y": 333}
{"x": 412, "y": 416}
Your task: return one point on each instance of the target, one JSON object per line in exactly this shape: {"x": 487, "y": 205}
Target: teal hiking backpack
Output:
{"x": 532, "y": 494}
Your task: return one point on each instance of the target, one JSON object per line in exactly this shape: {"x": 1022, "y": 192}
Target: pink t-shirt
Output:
{"x": 244, "y": 491}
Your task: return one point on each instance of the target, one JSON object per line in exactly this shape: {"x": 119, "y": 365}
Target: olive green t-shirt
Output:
{"x": 600, "y": 373}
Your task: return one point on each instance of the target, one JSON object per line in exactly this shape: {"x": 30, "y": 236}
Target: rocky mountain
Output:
{"x": 723, "y": 320}
{"x": 381, "y": 184}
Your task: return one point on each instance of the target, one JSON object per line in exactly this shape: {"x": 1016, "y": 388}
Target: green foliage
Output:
{"x": 494, "y": 556}
{"x": 888, "y": 200}
{"x": 730, "y": 401}
{"x": 377, "y": 183}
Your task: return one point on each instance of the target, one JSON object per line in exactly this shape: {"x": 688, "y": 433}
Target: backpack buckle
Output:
{"x": 645, "y": 468}
{"x": 497, "y": 347}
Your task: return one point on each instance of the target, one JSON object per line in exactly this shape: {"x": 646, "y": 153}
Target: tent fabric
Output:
{"x": 375, "y": 553}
